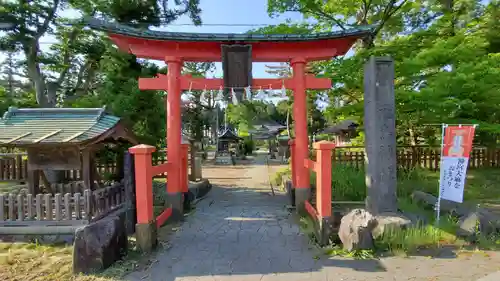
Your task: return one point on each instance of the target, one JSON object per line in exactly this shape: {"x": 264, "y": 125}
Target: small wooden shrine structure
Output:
{"x": 225, "y": 139}
{"x": 269, "y": 131}
{"x": 60, "y": 139}
{"x": 342, "y": 132}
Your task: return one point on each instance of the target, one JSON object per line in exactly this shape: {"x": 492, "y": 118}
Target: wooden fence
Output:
{"x": 65, "y": 211}
{"x": 14, "y": 167}
{"x": 417, "y": 156}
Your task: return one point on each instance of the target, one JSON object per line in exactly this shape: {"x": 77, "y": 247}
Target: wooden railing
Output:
{"x": 417, "y": 156}
{"x": 66, "y": 211}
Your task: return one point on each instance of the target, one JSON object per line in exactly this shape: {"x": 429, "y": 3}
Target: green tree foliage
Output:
{"x": 441, "y": 77}
{"x": 142, "y": 110}
{"x": 199, "y": 112}
{"x": 70, "y": 67}
{"x": 82, "y": 68}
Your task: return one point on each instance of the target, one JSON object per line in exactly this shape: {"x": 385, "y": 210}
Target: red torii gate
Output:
{"x": 176, "y": 48}
{"x": 174, "y": 83}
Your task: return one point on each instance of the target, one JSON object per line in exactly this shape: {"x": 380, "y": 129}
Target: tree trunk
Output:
{"x": 37, "y": 80}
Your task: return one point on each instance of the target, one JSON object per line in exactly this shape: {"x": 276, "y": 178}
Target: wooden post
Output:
{"x": 324, "y": 177}
{"x": 34, "y": 181}
{"x": 323, "y": 170}
{"x": 19, "y": 167}
{"x": 146, "y": 225}
{"x": 87, "y": 169}
{"x": 130, "y": 203}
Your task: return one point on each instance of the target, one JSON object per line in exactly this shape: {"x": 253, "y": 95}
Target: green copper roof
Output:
{"x": 125, "y": 30}
{"x": 53, "y": 125}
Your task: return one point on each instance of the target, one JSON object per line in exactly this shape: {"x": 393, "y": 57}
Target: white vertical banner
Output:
{"x": 234, "y": 97}
{"x": 248, "y": 92}
{"x": 455, "y": 151}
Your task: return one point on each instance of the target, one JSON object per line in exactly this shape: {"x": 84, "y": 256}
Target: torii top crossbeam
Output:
{"x": 203, "y": 47}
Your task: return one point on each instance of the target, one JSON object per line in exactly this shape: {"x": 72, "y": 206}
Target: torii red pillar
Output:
{"x": 302, "y": 190}
{"x": 173, "y": 108}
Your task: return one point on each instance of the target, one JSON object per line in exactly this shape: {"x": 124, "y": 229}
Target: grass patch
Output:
{"x": 277, "y": 178}
{"x": 31, "y": 261}
{"x": 482, "y": 186}
{"x": 36, "y": 262}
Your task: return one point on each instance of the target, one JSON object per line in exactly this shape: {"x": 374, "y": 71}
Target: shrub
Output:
{"x": 248, "y": 146}
{"x": 348, "y": 183}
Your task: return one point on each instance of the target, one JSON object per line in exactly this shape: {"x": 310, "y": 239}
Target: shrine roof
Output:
{"x": 346, "y": 125}
{"x": 227, "y": 134}
{"x": 125, "y": 30}
{"x": 37, "y": 126}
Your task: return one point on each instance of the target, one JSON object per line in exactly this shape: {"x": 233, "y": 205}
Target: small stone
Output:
{"x": 355, "y": 230}
{"x": 98, "y": 245}
{"x": 390, "y": 222}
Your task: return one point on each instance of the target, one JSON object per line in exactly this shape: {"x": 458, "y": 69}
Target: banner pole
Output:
{"x": 438, "y": 203}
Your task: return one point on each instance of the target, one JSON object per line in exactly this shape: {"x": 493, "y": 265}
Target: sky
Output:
{"x": 247, "y": 12}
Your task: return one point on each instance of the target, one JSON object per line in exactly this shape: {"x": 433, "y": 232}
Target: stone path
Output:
{"x": 240, "y": 232}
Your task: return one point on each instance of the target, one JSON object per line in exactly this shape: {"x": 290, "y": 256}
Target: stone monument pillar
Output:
{"x": 380, "y": 135}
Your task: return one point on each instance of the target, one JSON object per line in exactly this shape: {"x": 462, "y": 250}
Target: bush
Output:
{"x": 348, "y": 183}
{"x": 159, "y": 193}
{"x": 248, "y": 146}
{"x": 277, "y": 179}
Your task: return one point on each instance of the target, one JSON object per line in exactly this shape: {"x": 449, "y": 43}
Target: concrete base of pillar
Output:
{"x": 301, "y": 196}
{"x": 146, "y": 236}
{"x": 175, "y": 201}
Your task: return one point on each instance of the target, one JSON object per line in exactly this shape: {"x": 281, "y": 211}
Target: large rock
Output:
{"x": 387, "y": 222}
{"x": 429, "y": 201}
{"x": 478, "y": 222}
{"x": 98, "y": 245}
{"x": 355, "y": 230}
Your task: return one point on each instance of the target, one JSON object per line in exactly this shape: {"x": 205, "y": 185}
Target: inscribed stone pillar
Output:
{"x": 380, "y": 135}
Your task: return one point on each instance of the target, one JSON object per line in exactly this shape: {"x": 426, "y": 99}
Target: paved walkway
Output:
{"x": 240, "y": 232}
